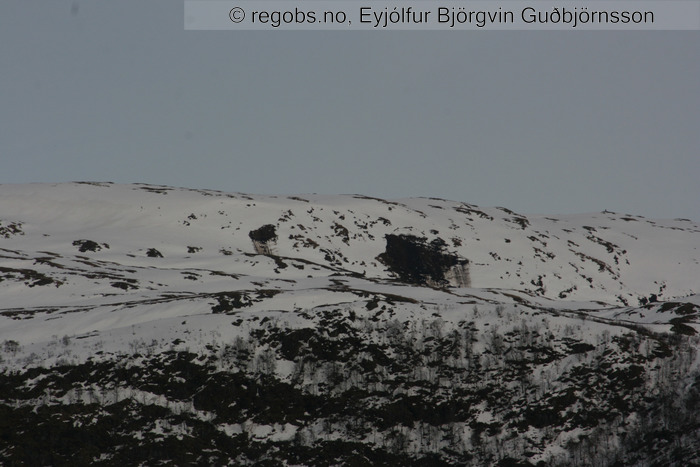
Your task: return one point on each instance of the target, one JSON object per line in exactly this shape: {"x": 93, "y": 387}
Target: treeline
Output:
{"x": 365, "y": 390}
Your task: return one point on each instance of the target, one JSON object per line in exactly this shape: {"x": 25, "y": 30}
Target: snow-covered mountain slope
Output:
{"x": 347, "y": 291}
{"x": 71, "y": 247}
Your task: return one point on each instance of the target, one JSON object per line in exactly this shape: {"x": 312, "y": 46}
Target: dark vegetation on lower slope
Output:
{"x": 363, "y": 391}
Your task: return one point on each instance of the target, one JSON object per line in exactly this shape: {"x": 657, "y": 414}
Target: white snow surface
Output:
{"x": 116, "y": 298}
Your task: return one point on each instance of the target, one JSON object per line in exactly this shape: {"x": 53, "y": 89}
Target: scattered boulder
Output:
{"x": 153, "y": 253}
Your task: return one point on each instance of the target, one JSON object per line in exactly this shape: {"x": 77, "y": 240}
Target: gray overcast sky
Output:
{"x": 539, "y": 122}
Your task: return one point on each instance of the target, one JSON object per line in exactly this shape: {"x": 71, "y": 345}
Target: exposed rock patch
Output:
{"x": 153, "y": 253}
{"x": 264, "y": 239}
{"x": 89, "y": 245}
{"x": 10, "y": 229}
{"x": 416, "y": 261}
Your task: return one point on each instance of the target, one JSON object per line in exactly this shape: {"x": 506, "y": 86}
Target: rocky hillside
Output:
{"x": 142, "y": 322}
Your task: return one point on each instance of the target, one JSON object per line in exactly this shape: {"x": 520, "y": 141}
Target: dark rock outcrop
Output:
{"x": 416, "y": 261}
{"x": 263, "y": 239}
